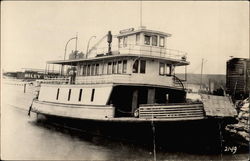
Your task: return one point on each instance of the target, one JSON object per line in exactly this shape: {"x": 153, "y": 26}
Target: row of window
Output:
{"x": 148, "y": 40}
{"x": 80, "y": 94}
{"x": 165, "y": 69}
{"x": 115, "y": 67}
{"x": 153, "y": 40}
{"x": 119, "y": 67}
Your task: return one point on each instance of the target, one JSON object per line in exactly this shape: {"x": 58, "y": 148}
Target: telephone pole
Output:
{"x": 201, "y": 72}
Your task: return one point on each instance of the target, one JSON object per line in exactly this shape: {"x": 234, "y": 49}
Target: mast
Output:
{"x": 140, "y": 13}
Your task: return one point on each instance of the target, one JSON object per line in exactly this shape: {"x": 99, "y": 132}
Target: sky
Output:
{"x": 35, "y": 32}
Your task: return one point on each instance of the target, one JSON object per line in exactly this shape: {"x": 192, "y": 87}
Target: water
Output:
{"x": 24, "y": 138}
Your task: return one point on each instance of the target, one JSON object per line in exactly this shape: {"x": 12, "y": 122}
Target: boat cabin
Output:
{"x": 140, "y": 70}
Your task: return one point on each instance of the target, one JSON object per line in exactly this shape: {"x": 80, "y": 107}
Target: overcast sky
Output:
{"x": 35, "y": 32}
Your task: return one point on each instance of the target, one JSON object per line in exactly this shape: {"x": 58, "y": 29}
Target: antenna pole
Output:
{"x": 140, "y": 12}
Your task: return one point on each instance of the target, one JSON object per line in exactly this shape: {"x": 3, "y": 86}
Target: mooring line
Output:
{"x": 153, "y": 130}
{"x": 221, "y": 138}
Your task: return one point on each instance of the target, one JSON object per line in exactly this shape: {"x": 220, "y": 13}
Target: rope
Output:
{"x": 153, "y": 130}
{"x": 123, "y": 111}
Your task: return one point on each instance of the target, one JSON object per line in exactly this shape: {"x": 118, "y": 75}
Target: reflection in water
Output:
{"x": 25, "y": 138}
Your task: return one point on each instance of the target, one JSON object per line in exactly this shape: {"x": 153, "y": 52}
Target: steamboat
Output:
{"x": 131, "y": 90}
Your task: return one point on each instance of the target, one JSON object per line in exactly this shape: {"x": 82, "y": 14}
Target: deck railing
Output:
{"x": 147, "y": 50}
{"x": 62, "y": 80}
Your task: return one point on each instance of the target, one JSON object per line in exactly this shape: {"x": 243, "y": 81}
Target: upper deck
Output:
{"x": 141, "y": 57}
{"x": 138, "y": 43}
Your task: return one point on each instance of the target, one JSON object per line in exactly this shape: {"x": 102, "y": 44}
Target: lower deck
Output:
{"x": 100, "y": 113}
{"x": 128, "y": 103}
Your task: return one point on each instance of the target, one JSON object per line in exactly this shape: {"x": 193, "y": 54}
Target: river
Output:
{"x": 23, "y": 138}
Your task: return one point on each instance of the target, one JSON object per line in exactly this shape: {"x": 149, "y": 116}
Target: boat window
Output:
{"x": 119, "y": 70}
{"x": 162, "y": 41}
{"x": 88, "y": 70}
{"x": 92, "y": 95}
{"x": 146, "y": 39}
{"x": 120, "y": 42}
{"x": 162, "y": 69}
{"x": 125, "y": 38}
{"x": 104, "y": 68}
{"x": 135, "y": 66}
{"x": 84, "y": 70}
{"x": 124, "y": 68}
{"x": 137, "y": 41}
{"x": 97, "y": 69}
{"x": 142, "y": 66}
{"x": 109, "y": 70}
{"x": 154, "y": 40}
{"x": 80, "y": 95}
{"x": 57, "y": 95}
{"x": 69, "y": 94}
{"x": 93, "y": 69}
{"x": 114, "y": 69}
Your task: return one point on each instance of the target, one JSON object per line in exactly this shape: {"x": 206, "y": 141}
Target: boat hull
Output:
{"x": 185, "y": 132}
{"x": 205, "y": 134}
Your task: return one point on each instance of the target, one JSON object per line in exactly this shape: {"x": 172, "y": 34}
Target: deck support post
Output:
{"x": 151, "y": 95}
{"x": 135, "y": 100}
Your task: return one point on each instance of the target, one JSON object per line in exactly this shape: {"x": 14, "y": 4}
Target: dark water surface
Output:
{"x": 24, "y": 138}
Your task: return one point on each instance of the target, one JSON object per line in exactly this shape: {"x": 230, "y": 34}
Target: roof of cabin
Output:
{"x": 132, "y": 31}
{"x": 176, "y": 62}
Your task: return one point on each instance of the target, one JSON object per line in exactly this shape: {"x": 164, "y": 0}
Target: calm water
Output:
{"x": 23, "y": 138}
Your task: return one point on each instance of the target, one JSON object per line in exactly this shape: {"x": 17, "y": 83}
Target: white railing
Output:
{"x": 64, "y": 80}
{"x": 147, "y": 50}
{"x": 127, "y": 79}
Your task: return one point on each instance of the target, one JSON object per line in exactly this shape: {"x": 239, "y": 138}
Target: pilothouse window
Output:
{"x": 120, "y": 42}
{"x": 154, "y": 40}
{"x": 146, "y": 39}
{"x": 162, "y": 41}
{"x": 125, "y": 38}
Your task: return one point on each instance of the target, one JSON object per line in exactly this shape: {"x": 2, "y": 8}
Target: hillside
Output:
{"x": 196, "y": 78}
